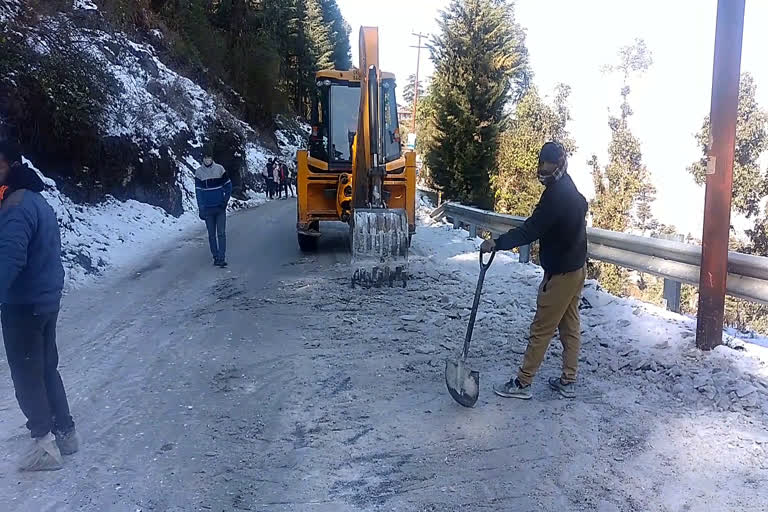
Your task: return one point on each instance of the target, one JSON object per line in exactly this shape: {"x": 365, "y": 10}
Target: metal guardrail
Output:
{"x": 676, "y": 262}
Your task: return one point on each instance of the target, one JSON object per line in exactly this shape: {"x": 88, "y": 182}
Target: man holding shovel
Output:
{"x": 559, "y": 223}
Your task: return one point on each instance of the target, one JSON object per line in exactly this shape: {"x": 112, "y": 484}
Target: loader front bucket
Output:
{"x": 379, "y": 247}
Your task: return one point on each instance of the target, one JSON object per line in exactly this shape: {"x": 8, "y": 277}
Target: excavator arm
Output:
{"x": 380, "y": 234}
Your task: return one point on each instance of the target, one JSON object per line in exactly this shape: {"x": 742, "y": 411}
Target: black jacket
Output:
{"x": 559, "y": 222}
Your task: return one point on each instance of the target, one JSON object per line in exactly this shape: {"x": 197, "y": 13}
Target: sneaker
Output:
{"x": 68, "y": 443}
{"x": 513, "y": 389}
{"x": 43, "y": 455}
{"x": 222, "y": 264}
{"x": 566, "y": 390}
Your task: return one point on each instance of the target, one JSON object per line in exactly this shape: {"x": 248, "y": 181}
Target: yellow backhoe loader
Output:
{"x": 355, "y": 171}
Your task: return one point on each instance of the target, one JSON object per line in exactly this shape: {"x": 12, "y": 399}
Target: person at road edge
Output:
{"x": 213, "y": 189}
{"x": 559, "y": 223}
{"x": 31, "y": 284}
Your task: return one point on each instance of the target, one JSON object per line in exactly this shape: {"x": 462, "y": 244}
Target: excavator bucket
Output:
{"x": 379, "y": 247}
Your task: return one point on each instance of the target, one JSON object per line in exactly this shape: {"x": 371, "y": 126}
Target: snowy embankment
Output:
{"x": 166, "y": 118}
{"x": 646, "y": 345}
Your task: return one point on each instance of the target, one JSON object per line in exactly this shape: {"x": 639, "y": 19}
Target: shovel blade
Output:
{"x": 463, "y": 384}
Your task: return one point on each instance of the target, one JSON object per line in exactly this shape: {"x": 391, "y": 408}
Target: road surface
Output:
{"x": 266, "y": 387}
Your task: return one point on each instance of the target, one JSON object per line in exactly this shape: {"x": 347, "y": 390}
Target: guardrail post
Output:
{"x": 439, "y": 197}
{"x": 472, "y": 231}
{"x": 673, "y": 289}
{"x": 672, "y": 292}
{"x": 456, "y": 224}
{"x": 525, "y": 253}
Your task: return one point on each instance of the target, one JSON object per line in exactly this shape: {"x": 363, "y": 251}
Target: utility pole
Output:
{"x": 726, "y": 73}
{"x": 416, "y": 85}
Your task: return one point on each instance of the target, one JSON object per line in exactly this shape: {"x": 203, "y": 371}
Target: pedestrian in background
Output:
{"x": 276, "y": 178}
{"x": 213, "y": 189}
{"x": 269, "y": 178}
{"x": 31, "y": 284}
{"x": 289, "y": 181}
{"x": 283, "y": 174}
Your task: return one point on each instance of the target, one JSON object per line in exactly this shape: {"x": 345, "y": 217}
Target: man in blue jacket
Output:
{"x": 31, "y": 283}
{"x": 559, "y": 223}
{"x": 213, "y": 189}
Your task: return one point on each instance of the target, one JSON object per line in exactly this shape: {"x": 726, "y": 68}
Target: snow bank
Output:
{"x": 647, "y": 343}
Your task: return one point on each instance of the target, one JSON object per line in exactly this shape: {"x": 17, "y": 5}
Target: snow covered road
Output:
{"x": 272, "y": 386}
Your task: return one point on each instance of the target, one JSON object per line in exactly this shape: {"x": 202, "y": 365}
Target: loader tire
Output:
{"x": 307, "y": 243}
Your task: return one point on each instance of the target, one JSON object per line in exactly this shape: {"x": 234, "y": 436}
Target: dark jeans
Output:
{"x": 30, "y": 345}
{"x": 216, "y": 222}
{"x": 270, "y": 189}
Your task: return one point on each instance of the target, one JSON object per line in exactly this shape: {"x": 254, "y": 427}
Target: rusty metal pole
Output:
{"x": 717, "y": 203}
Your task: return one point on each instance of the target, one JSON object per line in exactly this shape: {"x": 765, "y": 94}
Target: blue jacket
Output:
{"x": 213, "y": 189}
{"x": 31, "y": 272}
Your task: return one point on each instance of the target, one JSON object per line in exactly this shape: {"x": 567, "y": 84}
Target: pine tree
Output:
{"x": 645, "y": 222}
{"x": 480, "y": 59}
{"x": 409, "y": 90}
{"x": 750, "y": 182}
{"x": 516, "y": 186}
{"x": 339, "y": 35}
{"x": 620, "y": 185}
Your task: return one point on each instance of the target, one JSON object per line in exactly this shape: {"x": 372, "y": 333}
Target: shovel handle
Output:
{"x": 473, "y": 314}
{"x": 483, "y": 265}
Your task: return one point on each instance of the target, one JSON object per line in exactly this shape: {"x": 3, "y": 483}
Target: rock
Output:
{"x": 622, "y": 324}
{"x": 653, "y": 367}
{"x": 614, "y": 365}
{"x": 409, "y": 318}
{"x": 425, "y": 349}
{"x": 745, "y": 390}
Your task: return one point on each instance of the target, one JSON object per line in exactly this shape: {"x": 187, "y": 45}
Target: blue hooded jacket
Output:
{"x": 31, "y": 272}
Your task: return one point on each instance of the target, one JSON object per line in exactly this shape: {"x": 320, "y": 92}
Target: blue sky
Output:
{"x": 569, "y": 41}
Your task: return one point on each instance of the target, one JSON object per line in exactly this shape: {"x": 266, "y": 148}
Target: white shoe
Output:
{"x": 43, "y": 455}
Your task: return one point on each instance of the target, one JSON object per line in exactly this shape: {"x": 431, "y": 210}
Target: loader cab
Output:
{"x": 335, "y": 113}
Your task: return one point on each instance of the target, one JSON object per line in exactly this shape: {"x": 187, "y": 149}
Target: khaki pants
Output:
{"x": 557, "y": 307}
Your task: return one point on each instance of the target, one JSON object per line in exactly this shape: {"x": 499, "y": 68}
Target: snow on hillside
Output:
{"x": 9, "y": 9}
{"x": 167, "y": 116}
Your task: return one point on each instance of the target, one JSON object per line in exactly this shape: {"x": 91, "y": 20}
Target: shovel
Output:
{"x": 463, "y": 383}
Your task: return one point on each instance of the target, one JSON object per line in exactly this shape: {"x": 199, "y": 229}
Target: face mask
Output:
{"x": 548, "y": 178}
